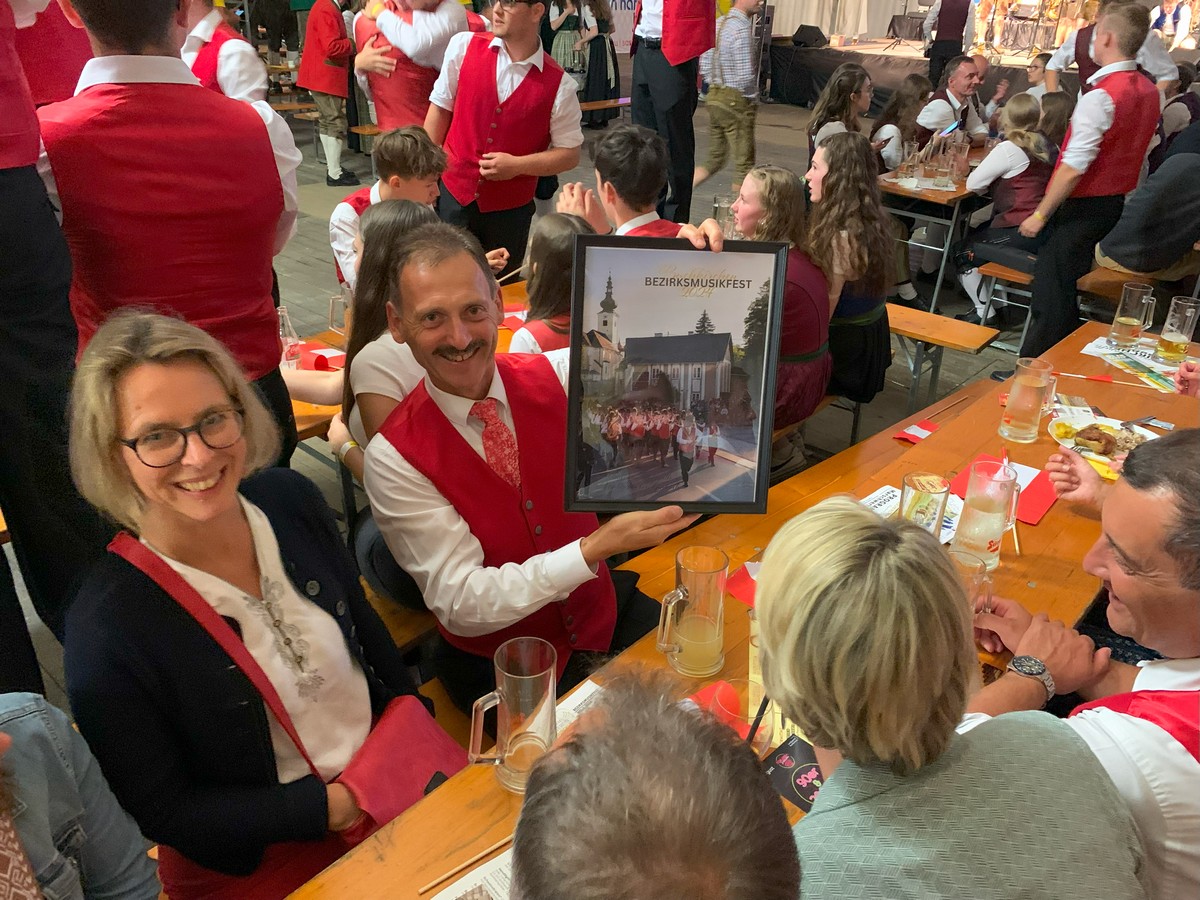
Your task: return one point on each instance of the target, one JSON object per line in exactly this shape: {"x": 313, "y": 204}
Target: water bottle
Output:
{"x": 289, "y": 340}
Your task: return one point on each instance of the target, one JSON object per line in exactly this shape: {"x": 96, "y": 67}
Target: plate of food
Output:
{"x": 1097, "y": 439}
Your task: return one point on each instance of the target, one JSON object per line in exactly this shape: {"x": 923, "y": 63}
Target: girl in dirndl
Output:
{"x": 603, "y": 74}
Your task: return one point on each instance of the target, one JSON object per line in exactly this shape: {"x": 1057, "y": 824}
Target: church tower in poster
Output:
{"x": 606, "y": 319}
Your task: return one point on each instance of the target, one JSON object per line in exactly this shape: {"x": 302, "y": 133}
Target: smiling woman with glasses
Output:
{"x": 169, "y": 440}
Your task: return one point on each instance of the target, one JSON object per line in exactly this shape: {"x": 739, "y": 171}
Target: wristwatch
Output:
{"x": 1032, "y": 667}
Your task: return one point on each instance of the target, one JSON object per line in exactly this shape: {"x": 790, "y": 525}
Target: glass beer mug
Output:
{"x": 691, "y": 627}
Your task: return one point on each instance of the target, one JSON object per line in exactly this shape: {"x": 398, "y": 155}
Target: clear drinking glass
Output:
{"x": 691, "y": 626}
{"x": 1134, "y": 314}
{"x": 526, "y": 674}
{"x": 923, "y": 497}
{"x": 1177, "y": 331}
{"x": 339, "y": 314}
{"x": 941, "y": 175}
{"x": 736, "y": 704}
{"x": 1023, "y": 413}
{"x": 973, "y": 573}
{"x": 289, "y": 340}
{"x": 989, "y": 510}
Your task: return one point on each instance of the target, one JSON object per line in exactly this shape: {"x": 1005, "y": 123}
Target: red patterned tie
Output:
{"x": 16, "y": 875}
{"x": 499, "y": 443}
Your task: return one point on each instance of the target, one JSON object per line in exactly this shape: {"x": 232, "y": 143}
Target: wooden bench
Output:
{"x": 305, "y": 111}
{"x": 621, "y": 103}
{"x": 1007, "y": 281}
{"x": 367, "y": 130}
{"x": 930, "y": 335}
{"x": 1107, "y": 284}
{"x": 409, "y": 628}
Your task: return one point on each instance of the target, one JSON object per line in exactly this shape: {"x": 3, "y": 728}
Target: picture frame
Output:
{"x": 667, "y": 342}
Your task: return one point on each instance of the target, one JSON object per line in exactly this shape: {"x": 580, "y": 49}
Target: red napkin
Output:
{"x": 916, "y": 432}
{"x": 320, "y": 357}
{"x": 706, "y": 698}
{"x": 1036, "y": 497}
{"x": 741, "y": 584}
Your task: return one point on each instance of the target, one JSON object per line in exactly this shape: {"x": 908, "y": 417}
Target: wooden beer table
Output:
{"x": 471, "y": 812}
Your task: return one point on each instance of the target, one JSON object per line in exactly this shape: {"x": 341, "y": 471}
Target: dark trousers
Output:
{"x": 1078, "y": 225}
{"x": 664, "y": 99}
{"x": 940, "y": 53}
{"x": 274, "y": 393}
{"x": 507, "y": 228}
{"x": 467, "y": 677}
{"x": 56, "y": 535}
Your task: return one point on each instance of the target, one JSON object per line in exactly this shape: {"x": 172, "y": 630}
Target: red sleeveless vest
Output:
{"x": 513, "y": 525}
{"x": 152, "y": 222}
{"x": 482, "y": 124}
{"x": 1175, "y": 712}
{"x": 659, "y": 228}
{"x": 20, "y": 145}
{"x": 689, "y": 28}
{"x": 476, "y": 22}
{"x": 205, "y": 66}
{"x": 1116, "y": 168}
{"x": 358, "y": 201}
{"x": 401, "y": 98}
{"x": 1016, "y": 198}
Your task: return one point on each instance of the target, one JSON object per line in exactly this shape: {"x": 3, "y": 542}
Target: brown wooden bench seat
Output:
{"x": 930, "y": 334}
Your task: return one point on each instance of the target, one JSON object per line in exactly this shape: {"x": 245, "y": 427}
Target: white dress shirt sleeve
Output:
{"x": 426, "y": 39}
{"x": 936, "y": 115}
{"x": 240, "y": 73}
{"x": 25, "y": 12}
{"x": 931, "y": 20}
{"x": 1093, "y": 116}
{"x": 566, "y": 129}
{"x": 893, "y": 148}
{"x": 287, "y": 160}
{"x": 1006, "y": 160}
{"x": 1154, "y": 58}
{"x": 343, "y": 227}
{"x": 523, "y": 341}
{"x": 445, "y": 89}
{"x": 1064, "y": 57}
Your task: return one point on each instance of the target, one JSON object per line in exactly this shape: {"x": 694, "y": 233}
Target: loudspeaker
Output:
{"x": 810, "y": 36}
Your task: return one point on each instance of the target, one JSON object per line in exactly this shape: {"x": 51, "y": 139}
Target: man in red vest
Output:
{"x": 507, "y": 115}
{"x": 466, "y": 483}
{"x": 1100, "y": 163}
{"x": 151, "y": 221}
{"x": 669, "y": 36}
{"x": 1080, "y": 45}
{"x": 954, "y": 22}
{"x": 325, "y": 72}
{"x": 52, "y": 54}
{"x": 417, "y": 36}
{"x": 1142, "y": 721}
{"x": 221, "y": 58}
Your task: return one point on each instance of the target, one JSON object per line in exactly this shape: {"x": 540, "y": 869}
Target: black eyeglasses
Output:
{"x": 164, "y": 447}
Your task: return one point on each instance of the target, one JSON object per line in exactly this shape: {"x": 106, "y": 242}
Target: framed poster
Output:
{"x": 672, "y": 383}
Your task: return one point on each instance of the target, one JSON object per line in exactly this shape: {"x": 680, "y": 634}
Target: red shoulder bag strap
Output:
{"x": 157, "y": 570}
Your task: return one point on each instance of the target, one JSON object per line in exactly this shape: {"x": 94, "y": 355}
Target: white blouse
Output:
{"x": 303, "y": 653}
{"x": 893, "y": 149}
{"x": 386, "y": 367}
{"x": 1006, "y": 160}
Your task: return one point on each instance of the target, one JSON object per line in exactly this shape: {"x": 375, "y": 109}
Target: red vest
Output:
{"x": 18, "y": 122}
{"x": 1083, "y": 58}
{"x": 547, "y": 338}
{"x": 659, "y": 228}
{"x": 476, "y": 22}
{"x": 1016, "y": 198}
{"x": 358, "y": 201}
{"x": 924, "y": 135}
{"x": 325, "y": 62}
{"x": 1175, "y": 712}
{"x": 1116, "y": 169}
{"x": 205, "y": 65}
{"x": 401, "y": 98}
{"x": 689, "y": 28}
{"x": 153, "y": 221}
{"x": 53, "y": 52}
{"x": 482, "y": 124}
{"x": 952, "y": 20}
{"x": 513, "y": 525}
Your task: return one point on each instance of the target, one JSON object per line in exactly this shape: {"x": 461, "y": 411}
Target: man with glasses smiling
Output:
{"x": 506, "y": 114}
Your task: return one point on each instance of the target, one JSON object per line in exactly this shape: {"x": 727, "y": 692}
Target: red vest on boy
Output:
{"x": 358, "y": 201}
{"x": 152, "y": 222}
{"x": 1116, "y": 168}
{"x": 325, "y": 62}
{"x": 205, "y": 65}
{"x": 689, "y": 28}
{"x": 1175, "y": 712}
{"x": 401, "y": 98}
{"x": 1083, "y": 58}
{"x": 1016, "y": 198}
{"x": 513, "y": 525}
{"x": 952, "y": 20}
{"x": 659, "y": 228}
{"x": 482, "y": 124}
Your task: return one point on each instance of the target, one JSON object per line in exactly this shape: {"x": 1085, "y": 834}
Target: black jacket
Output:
{"x": 180, "y": 733}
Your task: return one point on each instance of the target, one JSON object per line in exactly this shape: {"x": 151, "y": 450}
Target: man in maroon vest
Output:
{"x": 669, "y": 37}
{"x": 953, "y": 102}
{"x": 1142, "y": 721}
{"x": 221, "y": 58}
{"x": 954, "y": 22}
{"x": 466, "y": 483}
{"x": 1078, "y": 49}
{"x": 507, "y": 115}
{"x": 151, "y": 221}
{"x": 1100, "y": 163}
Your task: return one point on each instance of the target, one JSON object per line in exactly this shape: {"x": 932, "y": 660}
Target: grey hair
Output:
{"x": 652, "y": 801}
{"x": 1171, "y": 465}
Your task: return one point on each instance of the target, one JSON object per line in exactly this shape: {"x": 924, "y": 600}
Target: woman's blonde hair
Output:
{"x": 127, "y": 340}
{"x": 1018, "y": 123}
{"x": 781, "y": 194}
{"x": 865, "y": 635}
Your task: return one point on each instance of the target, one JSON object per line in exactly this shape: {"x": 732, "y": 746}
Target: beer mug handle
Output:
{"x": 985, "y": 593}
{"x": 1011, "y": 521}
{"x": 474, "y": 752}
{"x": 665, "y": 617}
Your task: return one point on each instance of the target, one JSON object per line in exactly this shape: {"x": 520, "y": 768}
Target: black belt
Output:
{"x": 652, "y": 43}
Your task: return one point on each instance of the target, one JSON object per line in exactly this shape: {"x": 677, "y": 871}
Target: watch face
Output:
{"x": 1028, "y": 665}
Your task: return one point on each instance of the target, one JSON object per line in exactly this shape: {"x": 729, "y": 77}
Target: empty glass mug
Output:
{"x": 691, "y": 627}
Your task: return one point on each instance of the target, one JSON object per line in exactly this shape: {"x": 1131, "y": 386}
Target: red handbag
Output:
{"x": 405, "y": 755}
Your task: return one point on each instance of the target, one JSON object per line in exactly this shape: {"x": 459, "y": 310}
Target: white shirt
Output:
{"x": 893, "y": 149}
{"x": 637, "y": 222}
{"x": 968, "y": 28}
{"x": 172, "y": 70}
{"x": 434, "y": 544}
{"x": 426, "y": 39}
{"x": 385, "y": 367}
{"x": 1006, "y": 160}
{"x": 241, "y": 74}
{"x": 1037, "y": 92}
{"x": 1169, "y": 29}
{"x": 343, "y": 229}
{"x": 327, "y": 699}
{"x": 650, "y": 23}
{"x": 1094, "y": 115}
{"x": 565, "y": 117}
{"x": 829, "y": 129}
{"x": 523, "y": 341}
{"x": 938, "y": 115}
{"x": 1152, "y": 57}
{"x": 1157, "y": 777}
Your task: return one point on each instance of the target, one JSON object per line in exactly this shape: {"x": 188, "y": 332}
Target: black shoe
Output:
{"x": 346, "y": 179}
{"x": 925, "y": 277}
{"x": 918, "y": 302}
{"x": 1002, "y": 375}
{"x": 971, "y": 318}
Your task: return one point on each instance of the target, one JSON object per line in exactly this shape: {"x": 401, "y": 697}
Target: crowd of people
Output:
{"x": 238, "y": 700}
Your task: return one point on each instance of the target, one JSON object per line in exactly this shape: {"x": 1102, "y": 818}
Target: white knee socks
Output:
{"x": 333, "y": 155}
